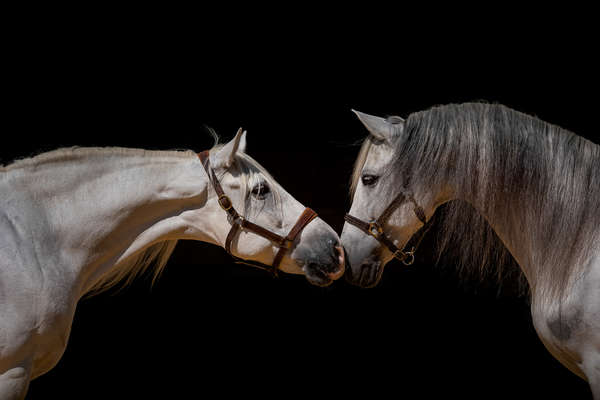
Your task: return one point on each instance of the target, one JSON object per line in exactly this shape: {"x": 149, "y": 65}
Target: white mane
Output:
{"x": 72, "y": 153}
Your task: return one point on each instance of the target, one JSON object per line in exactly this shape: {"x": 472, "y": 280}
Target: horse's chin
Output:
{"x": 371, "y": 275}
{"x": 368, "y": 275}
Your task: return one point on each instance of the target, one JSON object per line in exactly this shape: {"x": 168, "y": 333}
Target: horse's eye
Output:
{"x": 369, "y": 180}
{"x": 261, "y": 190}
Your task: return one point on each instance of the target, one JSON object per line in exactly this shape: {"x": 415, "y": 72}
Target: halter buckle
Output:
{"x": 375, "y": 229}
{"x": 286, "y": 244}
{"x": 225, "y": 202}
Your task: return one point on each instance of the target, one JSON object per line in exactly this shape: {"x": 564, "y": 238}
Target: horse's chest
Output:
{"x": 559, "y": 323}
{"x": 34, "y": 325}
{"x": 52, "y": 331}
{"x": 570, "y": 327}
{"x": 42, "y": 336}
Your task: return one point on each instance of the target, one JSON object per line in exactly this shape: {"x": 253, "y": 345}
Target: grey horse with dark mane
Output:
{"x": 514, "y": 185}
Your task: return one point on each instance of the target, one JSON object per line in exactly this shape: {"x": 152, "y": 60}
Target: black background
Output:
{"x": 211, "y": 326}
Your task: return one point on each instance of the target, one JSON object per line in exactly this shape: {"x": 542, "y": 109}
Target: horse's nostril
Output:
{"x": 338, "y": 254}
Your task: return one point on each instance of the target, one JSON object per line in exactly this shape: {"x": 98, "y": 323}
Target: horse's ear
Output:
{"x": 227, "y": 153}
{"x": 381, "y": 128}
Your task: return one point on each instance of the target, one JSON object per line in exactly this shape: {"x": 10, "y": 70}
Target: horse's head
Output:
{"x": 258, "y": 204}
{"x": 387, "y": 207}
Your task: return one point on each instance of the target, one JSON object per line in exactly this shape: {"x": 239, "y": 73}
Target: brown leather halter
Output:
{"x": 375, "y": 227}
{"x": 238, "y": 222}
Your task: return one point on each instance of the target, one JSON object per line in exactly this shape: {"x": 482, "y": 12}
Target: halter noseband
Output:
{"x": 375, "y": 227}
{"x": 238, "y": 222}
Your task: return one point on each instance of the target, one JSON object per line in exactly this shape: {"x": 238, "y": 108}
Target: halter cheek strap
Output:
{"x": 238, "y": 222}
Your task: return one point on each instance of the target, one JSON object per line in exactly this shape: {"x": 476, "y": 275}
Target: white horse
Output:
{"x": 77, "y": 221}
{"x": 535, "y": 185}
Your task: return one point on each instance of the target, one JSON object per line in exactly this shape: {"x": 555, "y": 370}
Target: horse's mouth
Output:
{"x": 317, "y": 275}
{"x": 323, "y": 271}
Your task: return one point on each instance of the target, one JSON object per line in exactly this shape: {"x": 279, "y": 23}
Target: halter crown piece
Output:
{"x": 238, "y": 222}
{"x": 375, "y": 227}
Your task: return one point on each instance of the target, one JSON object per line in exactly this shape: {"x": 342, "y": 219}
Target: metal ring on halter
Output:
{"x": 406, "y": 260}
{"x": 375, "y": 229}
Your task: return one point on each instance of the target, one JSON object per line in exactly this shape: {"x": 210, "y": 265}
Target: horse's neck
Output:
{"x": 520, "y": 227}
{"x": 510, "y": 229}
{"x": 102, "y": 208}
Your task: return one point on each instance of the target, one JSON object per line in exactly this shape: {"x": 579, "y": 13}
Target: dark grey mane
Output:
{"x": 540, "y": 180}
